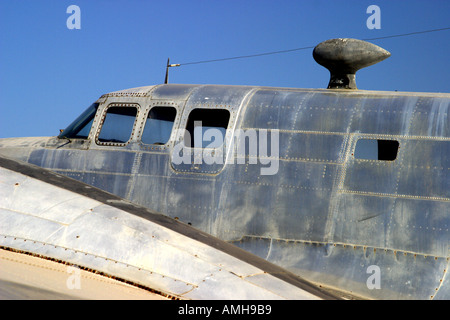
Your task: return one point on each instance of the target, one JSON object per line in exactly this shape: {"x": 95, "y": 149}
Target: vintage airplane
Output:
{"x": 212, "y": 191}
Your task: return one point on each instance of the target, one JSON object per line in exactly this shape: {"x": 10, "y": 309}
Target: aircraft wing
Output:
{"x": 61, "y": 238}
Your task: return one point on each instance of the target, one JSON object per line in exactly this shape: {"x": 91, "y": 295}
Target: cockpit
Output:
{"x": 118, "y": 124}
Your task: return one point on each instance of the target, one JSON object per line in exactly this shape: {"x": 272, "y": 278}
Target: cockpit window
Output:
{"x": 79, "y": 129}
{"x": 117, "y": 125}
{"x": 159, "y": 125}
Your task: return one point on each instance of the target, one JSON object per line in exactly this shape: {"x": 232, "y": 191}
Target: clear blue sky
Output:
{"x": 49, "y": 74}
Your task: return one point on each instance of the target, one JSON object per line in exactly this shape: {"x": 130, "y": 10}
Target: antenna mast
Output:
{"x": 166, "y": 80}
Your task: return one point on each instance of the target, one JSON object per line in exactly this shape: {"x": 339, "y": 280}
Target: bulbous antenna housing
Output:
{"x": 344, "y": 56}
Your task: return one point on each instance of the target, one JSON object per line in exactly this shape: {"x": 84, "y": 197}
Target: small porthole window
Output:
{"x": 376, "y": 149}
{"x": 159, "y": 125}
{"x": 206, "y": 128}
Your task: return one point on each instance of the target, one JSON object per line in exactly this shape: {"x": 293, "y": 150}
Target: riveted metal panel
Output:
{"x": 388, "y": 222}
{"x": 65, "y": 159}
{"x": 172, "y": 92}
{"x": 386, "y": 115}
{"x": 364, "y": 219}
{"x": 349, "y": 267}
{"x": 314, "y": 147}
{"x": 431, "y": 118}
{"x": 425, "y": 170}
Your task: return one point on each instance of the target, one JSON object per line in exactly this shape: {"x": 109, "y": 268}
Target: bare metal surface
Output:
{"x": 326, "y": 215}
{"x": 24, "y": 277}
{"x": 103, "y": 233}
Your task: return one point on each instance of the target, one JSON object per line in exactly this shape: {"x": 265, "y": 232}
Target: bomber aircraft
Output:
{"x": 244, "y": 192}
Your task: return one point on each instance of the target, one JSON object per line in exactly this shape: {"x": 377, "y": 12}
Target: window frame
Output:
{"x": 146, "y": 118}
{"x": 192, "y": 136}
{"x": 182, "y": 152}
{"x": 102, "y": 121}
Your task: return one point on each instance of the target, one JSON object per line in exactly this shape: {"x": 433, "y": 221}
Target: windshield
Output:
{"x": 79, "y": 129}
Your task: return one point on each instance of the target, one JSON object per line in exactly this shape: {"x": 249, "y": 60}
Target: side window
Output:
{"x": 206, "y": 128}
{"x": 117, "y": 125}
{"x": 376, "y": 149}
{"x": 158, "y": 126}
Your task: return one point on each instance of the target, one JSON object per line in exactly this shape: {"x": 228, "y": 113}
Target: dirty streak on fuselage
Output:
{"x": 328, "y": 210}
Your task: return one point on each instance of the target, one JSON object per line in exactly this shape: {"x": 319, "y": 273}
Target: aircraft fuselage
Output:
{"x": 346, "y": 188}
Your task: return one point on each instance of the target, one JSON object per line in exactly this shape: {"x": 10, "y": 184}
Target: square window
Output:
{"x": 118, "y": 124}
{"x": 206, "y": 128}
{"x": 158, "y": 127}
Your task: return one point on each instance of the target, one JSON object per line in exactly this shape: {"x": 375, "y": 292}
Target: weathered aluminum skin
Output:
{"x": 46, "y": 214}
{"x": 325, "y": 215}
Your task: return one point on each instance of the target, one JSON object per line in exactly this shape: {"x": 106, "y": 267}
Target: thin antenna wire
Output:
{"x": 406, "y": 34}
{"x": 248, "y": 56}
{"x": 309, "y": 47}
